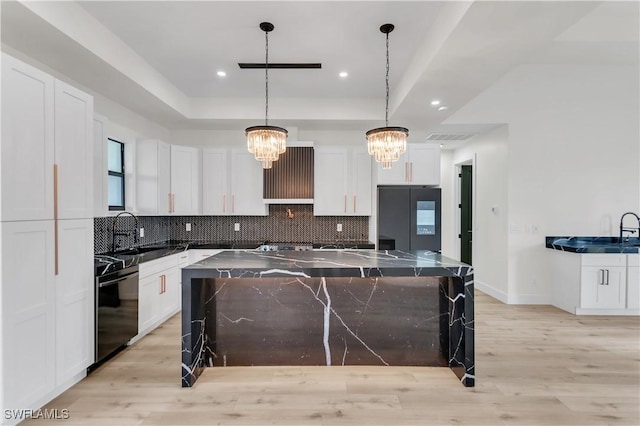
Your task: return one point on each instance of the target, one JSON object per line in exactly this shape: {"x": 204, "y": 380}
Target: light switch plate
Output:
{"x": 339, "y": 227}
{"x": 236, "y": 227}
{"x": 141, "y": 232}
{"x": 188, "y": 227}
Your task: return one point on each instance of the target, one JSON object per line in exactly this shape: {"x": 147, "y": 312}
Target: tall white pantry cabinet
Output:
{"x": 46, "y": 229}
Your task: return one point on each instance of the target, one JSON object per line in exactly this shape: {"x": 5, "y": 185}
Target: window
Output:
{"x": 115, "y": 169}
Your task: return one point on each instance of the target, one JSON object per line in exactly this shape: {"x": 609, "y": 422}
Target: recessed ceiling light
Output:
{"x": 221, "y": 74}
{"x": 343, "y": 74}
{"x": 435, "y": 102}
{"x": 442, "y": 108}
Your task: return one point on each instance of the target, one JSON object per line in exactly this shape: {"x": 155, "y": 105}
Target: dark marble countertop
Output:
{"x": 594, "y": 244}
{"x": 109, "y": 262}
{"x": 330, "y": 263}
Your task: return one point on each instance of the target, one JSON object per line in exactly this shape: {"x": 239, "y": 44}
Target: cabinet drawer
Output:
{"x": 158, "y": 265}
{"x": 633, "y": 260}
{"x": 604, "y": 260}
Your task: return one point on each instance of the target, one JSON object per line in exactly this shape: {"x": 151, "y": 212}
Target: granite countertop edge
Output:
{"x": 593, "y": 244}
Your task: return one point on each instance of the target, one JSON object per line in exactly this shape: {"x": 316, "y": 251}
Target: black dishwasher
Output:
{"x": 116, "y": 310}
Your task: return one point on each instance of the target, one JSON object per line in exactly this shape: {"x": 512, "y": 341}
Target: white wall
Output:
{"x": 573, "y": 159}
{"x": 488, "y": 154}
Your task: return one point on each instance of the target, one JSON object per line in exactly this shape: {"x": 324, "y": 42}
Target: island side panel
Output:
{"x": 328, "y": 321}
{"x": 195, "y": 293}
{"x": 461, "y": 327}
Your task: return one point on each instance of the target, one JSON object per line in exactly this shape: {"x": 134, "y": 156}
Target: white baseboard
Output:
{"x": 529, "y": 299}
{"x": 518, "y": 299}
{"x": 629, "y": 312}
{"x": 491, "y": 291}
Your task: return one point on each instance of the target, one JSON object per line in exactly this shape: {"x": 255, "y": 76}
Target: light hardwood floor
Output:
{"x": 535, "y": 365}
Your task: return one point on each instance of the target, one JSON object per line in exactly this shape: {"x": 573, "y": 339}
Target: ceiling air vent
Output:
{"x": 449, "y": 136}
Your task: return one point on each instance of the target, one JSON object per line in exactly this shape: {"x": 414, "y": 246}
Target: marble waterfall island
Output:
{"x": 343, "y": 307}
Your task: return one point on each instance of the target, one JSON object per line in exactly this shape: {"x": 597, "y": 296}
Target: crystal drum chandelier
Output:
{"x": 266, "y": 142}
{"x": 387, "y": 144}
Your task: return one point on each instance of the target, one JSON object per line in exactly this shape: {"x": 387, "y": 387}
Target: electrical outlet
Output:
{"x": 188, "y": 227}
{"x": 141, "y": 232}
{"x": 236, "y": 227}
{"x": 339, "y": 227}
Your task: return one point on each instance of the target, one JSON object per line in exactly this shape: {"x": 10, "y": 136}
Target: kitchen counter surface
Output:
{"x": 327, "y": 307}
{"x": 109, "y": 262}
{"x": 343, "y": 263}
{"x": 594, "y": 244}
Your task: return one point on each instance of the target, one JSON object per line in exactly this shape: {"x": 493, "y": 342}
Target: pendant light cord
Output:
{"x": 266, "y": 79}
{"x": 386, "y": 112}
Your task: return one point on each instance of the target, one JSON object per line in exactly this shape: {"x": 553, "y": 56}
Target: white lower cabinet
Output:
{"x": 75, "y": 299}
{"x": 603, "y": 287}
{"x": 28, "y": 313}
{"x": 159, "y": 291}
{"x": 633, "y": 281}
{"x": 596, "y": 284}
{"x": 47, "y": 318}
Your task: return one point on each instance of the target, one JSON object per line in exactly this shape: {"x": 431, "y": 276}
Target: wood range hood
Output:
{"x": 290, "y": 180}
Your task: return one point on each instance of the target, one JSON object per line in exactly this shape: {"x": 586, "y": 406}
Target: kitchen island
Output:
{"x": 342, "y": 307}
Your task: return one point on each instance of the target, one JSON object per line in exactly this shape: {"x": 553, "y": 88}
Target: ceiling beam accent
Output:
{"x": 285, "y": 65}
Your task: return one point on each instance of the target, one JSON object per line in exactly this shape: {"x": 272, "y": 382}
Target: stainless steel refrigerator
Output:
{"x": 409, "y": 218}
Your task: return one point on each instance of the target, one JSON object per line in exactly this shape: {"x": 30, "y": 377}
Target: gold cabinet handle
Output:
{"x": 345, "y": 203}
{"x": 55, "y": 218}
{"x": 233, "y": 203}
{"x": 169, "y": 194}
{"x": 224, "y": 203}
{"x": 411, "y": 172}
{"x": 406, "y": 172}
{"x": 354, "y": 203}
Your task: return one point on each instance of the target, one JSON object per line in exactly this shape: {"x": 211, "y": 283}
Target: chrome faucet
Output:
{"x": 127, "y": 232}
{"x": 629, "y": 230}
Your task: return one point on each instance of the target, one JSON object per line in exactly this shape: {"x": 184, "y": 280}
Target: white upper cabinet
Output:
{"x": 215, "y": 186}
{"x": 231, "y": 183}
{"x": 167, "y": 178}
{"x": 46, "y": 125}
{"x": 153, "y": 181}
{"x": 185, "y": 180}
{"x": 74, "y": 151}
{"x": 342, "y": 182}
{"x": 420, "y": 165}
{"x": 245, "y": 184}
{"x": 27, "y": 142}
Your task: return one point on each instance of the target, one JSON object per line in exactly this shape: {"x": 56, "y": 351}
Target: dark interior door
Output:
{"x": 393, "y": 215}
{"x": 466, "y": 184}
{"x": 425, "y": 219}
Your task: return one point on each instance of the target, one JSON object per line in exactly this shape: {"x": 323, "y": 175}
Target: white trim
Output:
{"x": 300, "y": 144}
{"x": 288, "y": 200}
{"x": 528, "y": 299}
{"x": 629, "y": 312}
{"x": 490, "y": 290}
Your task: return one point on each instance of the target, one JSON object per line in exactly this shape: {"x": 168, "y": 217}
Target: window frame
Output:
{"x": 120, "y": 174}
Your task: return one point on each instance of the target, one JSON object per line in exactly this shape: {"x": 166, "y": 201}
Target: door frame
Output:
{"x": 458, "y": 199}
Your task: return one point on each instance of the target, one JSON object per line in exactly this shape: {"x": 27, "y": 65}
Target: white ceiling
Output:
{"x": 160, "y": 58}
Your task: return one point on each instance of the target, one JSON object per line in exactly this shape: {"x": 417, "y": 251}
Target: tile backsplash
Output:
{"x": 279, "y": 226}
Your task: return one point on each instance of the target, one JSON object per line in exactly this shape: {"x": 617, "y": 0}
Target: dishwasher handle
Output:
{"x": 117, "y": 280}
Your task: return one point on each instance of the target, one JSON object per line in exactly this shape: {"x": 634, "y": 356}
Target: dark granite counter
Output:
{"x": 594, "y": 244}
{"x": 334, "y": 307}
{"x": 109, "y": 262}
